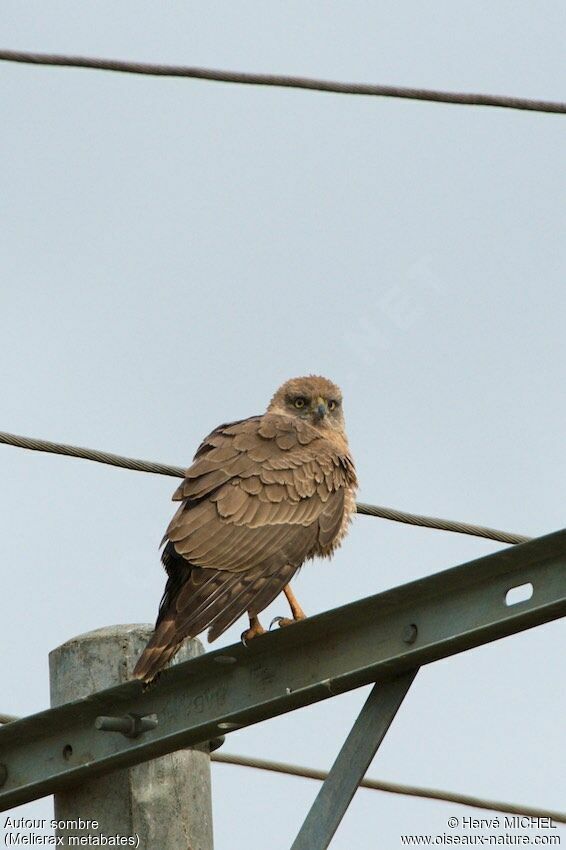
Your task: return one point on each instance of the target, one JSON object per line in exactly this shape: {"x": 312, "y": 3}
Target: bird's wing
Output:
{"x": 261, "y": 496}
{"x": 251, "y": 482}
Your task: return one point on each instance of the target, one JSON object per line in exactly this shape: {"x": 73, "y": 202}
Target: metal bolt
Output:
{"x": 3, "y": 774}
{"x": 410, "y": 633}
{"x": 215, "y": 743}
{"x": 131, "y": 725}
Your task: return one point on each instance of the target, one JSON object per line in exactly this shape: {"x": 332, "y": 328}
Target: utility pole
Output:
{"x": 164, "y": 803}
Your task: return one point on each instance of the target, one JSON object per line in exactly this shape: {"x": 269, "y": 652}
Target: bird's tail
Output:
{"x": 159, "y": 651}
{"x": 164, "y": 642}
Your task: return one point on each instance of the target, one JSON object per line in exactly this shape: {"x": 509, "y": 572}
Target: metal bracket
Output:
{"x": 130, "y": 725}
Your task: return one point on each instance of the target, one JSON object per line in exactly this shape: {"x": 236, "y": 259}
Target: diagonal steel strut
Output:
{"x": 352, "y": 762}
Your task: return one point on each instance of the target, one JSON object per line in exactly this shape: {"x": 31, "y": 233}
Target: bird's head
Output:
{"x": 314, "y": 399}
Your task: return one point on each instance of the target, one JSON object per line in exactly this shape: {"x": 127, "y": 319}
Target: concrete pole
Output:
{"x": 165, "y": 802}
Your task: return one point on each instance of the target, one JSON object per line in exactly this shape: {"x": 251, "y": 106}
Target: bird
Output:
{"x": 262, "y": 496}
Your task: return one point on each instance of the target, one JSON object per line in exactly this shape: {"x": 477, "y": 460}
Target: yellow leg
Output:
{"x": 296, "y": 610}
{"x": 254, "y": 630}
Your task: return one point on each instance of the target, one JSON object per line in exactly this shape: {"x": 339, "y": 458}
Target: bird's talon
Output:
{"x": 254, "y": 630}
{"x": 281, "y": 622}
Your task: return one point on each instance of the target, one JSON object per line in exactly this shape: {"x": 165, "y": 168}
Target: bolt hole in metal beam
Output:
{"x": 521, "y": 593}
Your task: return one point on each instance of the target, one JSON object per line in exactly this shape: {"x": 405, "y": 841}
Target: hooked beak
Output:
{"x": 320, "y": 409}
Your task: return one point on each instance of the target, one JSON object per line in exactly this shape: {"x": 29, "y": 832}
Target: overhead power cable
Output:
{"x": 91, "y": 454}
{"x": 441, "y": 524}
{"x": 282, "y": 81}
{"x": 179, "y": 472}
{"x": 393, "y": 787}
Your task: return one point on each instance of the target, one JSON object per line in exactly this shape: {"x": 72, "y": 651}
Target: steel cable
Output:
{"x": 283, "y": 81}
{"x": 179, "y": 471}
{"x": 393, "y": 787}
{"x": 441, "y": 524}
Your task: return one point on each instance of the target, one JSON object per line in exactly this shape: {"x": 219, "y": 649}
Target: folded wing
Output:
{"x": 261, "y": 496}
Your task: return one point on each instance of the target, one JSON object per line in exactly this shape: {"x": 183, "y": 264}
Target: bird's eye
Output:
{"x": 300, "y": 402}
{"x": 332, "y": 404}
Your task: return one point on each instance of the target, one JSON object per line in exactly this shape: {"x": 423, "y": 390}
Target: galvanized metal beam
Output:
{"x": 375, "y": 639}
{"x": 352, "y": 762}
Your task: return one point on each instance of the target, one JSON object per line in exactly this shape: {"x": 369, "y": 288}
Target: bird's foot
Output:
{"x": 285, "y": 621}
{"x": 254, "y": 630}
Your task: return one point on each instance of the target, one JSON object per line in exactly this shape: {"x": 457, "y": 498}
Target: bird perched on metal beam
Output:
{"x": 262, "y": 496}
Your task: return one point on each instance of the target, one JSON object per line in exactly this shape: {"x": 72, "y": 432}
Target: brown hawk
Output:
{"x": 262, "y": 496}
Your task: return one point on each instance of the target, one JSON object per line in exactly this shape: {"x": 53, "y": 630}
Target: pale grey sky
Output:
{"x": 172, "y": 250}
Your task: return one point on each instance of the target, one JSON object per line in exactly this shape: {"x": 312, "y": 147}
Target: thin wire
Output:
{"x": 376, "y": 785}
{"x": 393, "y": 787}
{"x": 282, "y": 80}
{"x": 91, "y": 454}
{"x": 441, "y": 524}
{"x": 179, "y": 472}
